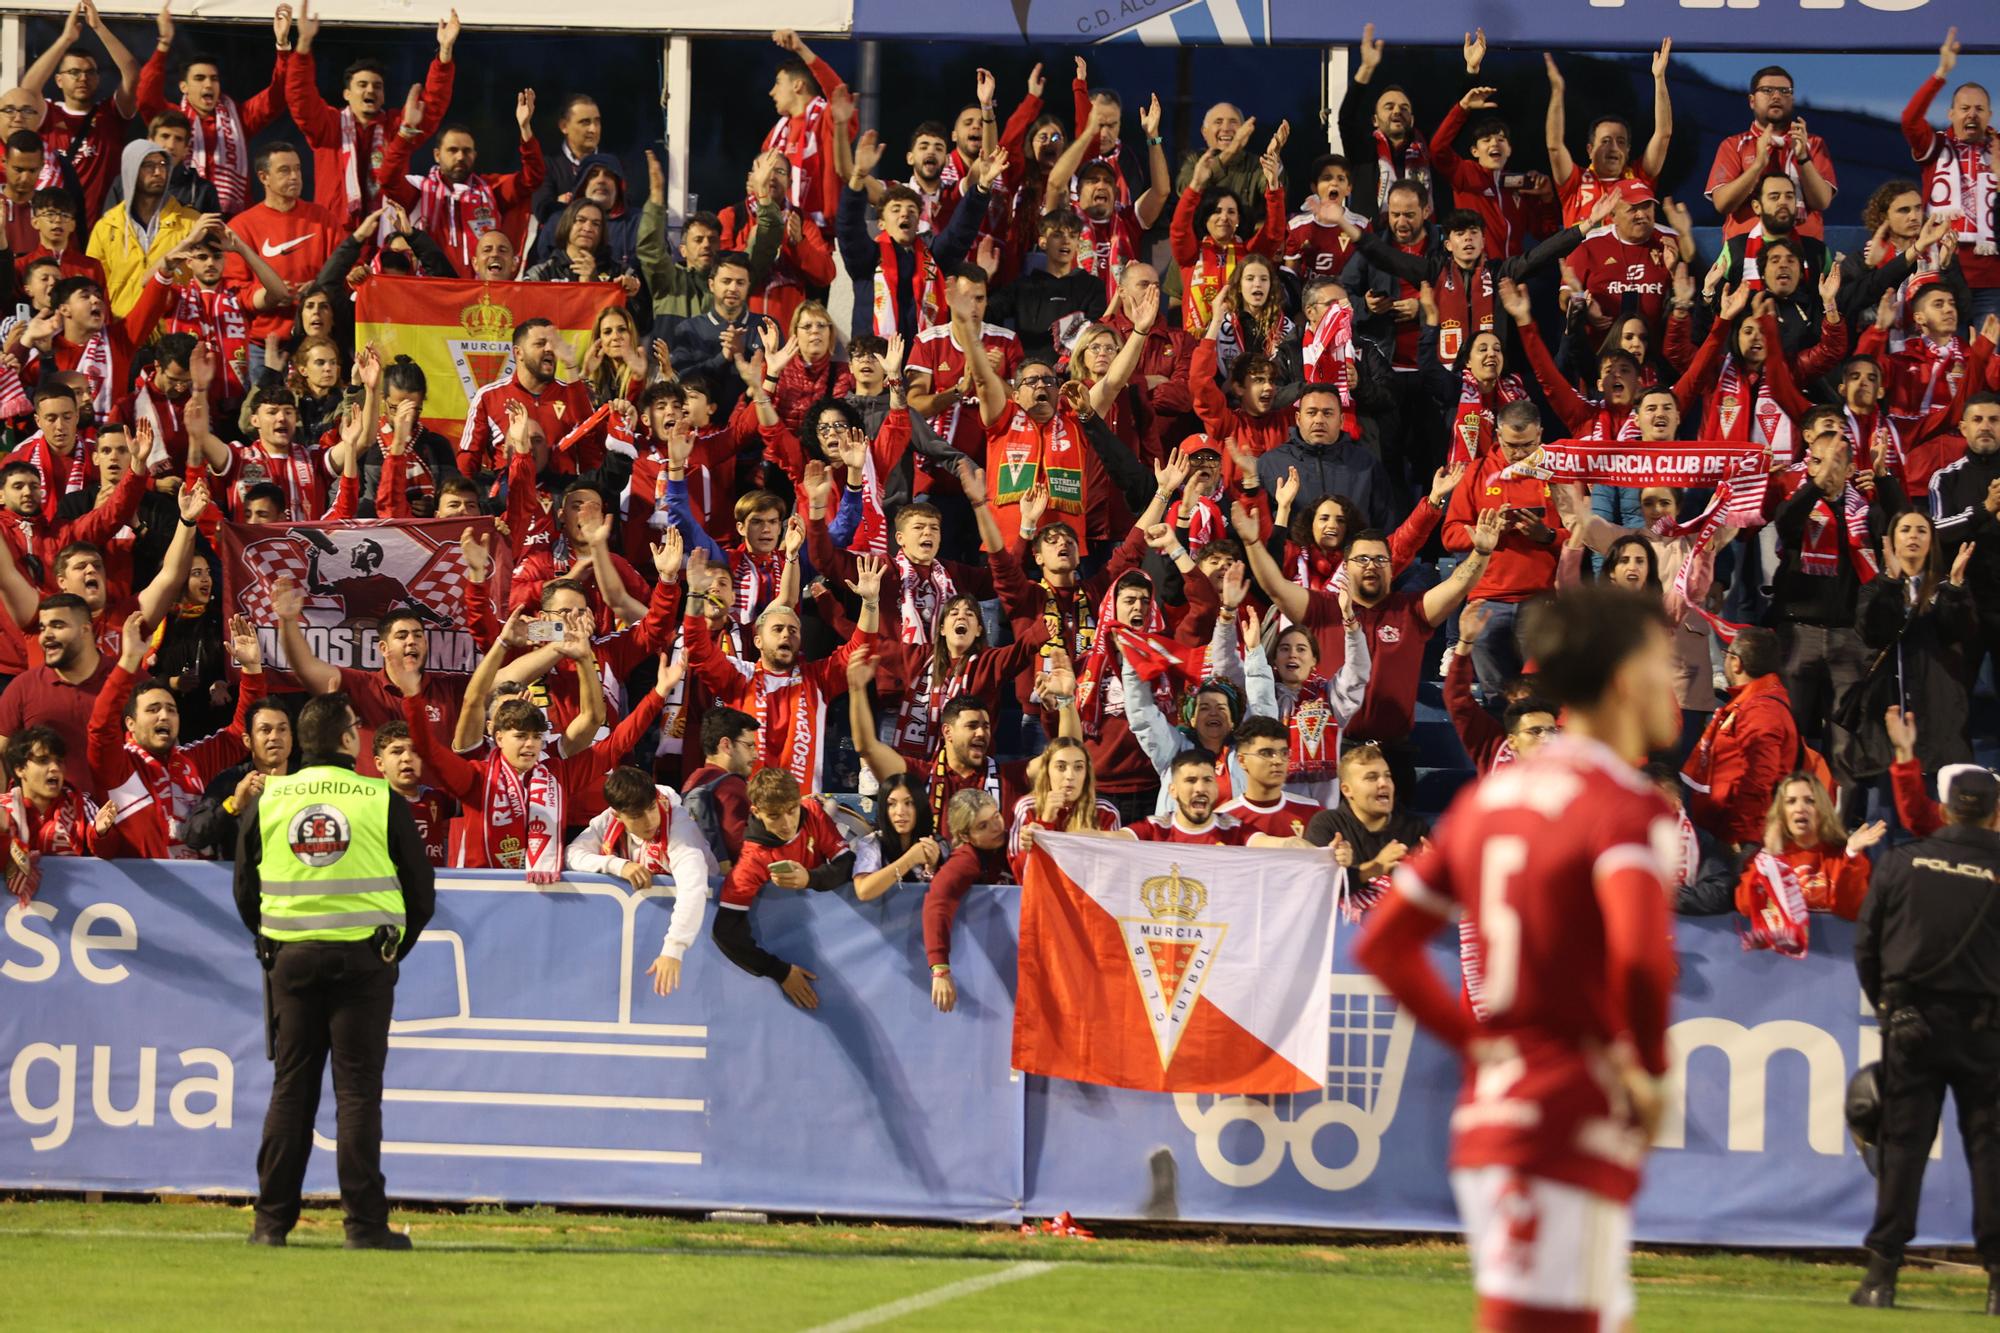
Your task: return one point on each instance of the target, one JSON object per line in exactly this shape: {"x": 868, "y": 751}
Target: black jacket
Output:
{"x": 1958, "y": 507}
{"x": 1916, "y": 661}
{"x": 406, "y": 853}
{"x": 1798, "y": 597}
{"x": 1345, "y": 467}
{"x": 861, "y": 255}
{"x": 1032, "y": 303}
{"x": 1419, "y": 269}
{"x": 1923, "y": 899}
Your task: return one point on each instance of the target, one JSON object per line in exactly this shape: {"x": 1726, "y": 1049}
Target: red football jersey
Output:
{"x": 1287, "y": 818}
{"x": 1529, "y": 876}
{"x": 938, "y": 356}
{"x": 1222, "y": 831}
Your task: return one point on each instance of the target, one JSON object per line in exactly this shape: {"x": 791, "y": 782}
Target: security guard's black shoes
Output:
{"x": 1878, "y": 1288}
{"x": 276, "y": 1238}
{"x": 380, "y": 1240}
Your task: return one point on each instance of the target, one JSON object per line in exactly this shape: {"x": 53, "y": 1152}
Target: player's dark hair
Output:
{"x": 1580, "y": 639}
{"x": 959, "y": 707}
{"x": 405, "y": 375}
{"x": 141, "y": 690}
{"x": 528, "y": 326}
{"x": 266, "y": 490}
{"x": 21, "y": 746}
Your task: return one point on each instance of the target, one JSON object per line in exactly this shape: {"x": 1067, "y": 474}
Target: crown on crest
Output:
{"x": 486, "y": 320}
{"x": 1174, "y": 894}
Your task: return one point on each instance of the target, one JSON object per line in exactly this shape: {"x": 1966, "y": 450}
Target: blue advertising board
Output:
{"x": 530, "y": 1061}
{"x": 1586, "y": 25}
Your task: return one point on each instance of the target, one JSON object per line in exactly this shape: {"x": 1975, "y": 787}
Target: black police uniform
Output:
{"x": 1929, "y": 957}
{"x": 331, "y": 998}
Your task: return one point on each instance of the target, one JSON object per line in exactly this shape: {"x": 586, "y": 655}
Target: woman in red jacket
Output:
{"x": 1204, "y": 233}
{"x": 1804, "y": 835}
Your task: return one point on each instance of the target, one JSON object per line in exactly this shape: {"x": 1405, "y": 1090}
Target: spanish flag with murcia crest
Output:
{"x": 1173, "y": 967}
{"x": 462, "y": 332}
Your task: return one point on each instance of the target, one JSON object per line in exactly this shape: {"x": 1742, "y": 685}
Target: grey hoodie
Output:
{"x": 135, "y": 157}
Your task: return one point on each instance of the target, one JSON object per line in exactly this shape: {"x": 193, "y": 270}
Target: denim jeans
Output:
{"x": 1496, "y": 657}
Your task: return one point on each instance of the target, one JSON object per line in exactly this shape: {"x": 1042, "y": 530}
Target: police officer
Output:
{"x": 332, "y": 878}
{"x": 1929, "y": 957}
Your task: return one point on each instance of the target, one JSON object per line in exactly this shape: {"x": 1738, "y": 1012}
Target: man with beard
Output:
{"x": 210, "y": 311}
{"x": 1609, "y": 155}
{"x": 75, "y": 125}
{"x": 899, "y": 275}
{"x": 704, "y": 346}
{"x": 805, "y": 129}
{"x": 79, "y": 568}
{"x": 1112, "y": 231}
{"x": 1774, "y": 207}
{"x": 349, "y": 143}
{"x": 1965, "y": 506}
{"x": 1327, "y": 459}
{"x": 151, "y": 779}
{"x": 964, "y": 758}
{"x": 59, "y": 693}
{"x": 554, "y": 407}
{"x": 1042, "y": 298}
{"x": 220, "y": 127}
{"x": 1958, "y": 172}
{"x": 930, "y": 149}
{"x": 294, "y": 237}
{"x": 1776, "y": 144}
{"x": 136, "y": 235}
{"x": 213, "y": 826}
{"x": 403, "y": 640}
{"x": 276, "y": 455}
{"x": 938, "y": 383}
{"x": 1378, "y": 127}
{"x": 454, "y": 202}
{"x": 1195, "y": 818}
{"x": 786, "y": 695}
{"x": 581, "y": 125}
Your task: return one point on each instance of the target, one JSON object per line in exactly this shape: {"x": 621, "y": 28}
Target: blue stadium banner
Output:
{"x": 1753, "y": 25}
{"x": 530, "y": 1061}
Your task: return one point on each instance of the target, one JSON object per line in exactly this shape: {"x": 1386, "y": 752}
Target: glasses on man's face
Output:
{"x": 1040, "y": 382}
{"x": 1772, "y": 90}
{"x": 17, "y": 112}
{"x": 1266, "y": 755}
{"x": 1381, "y": 560}
{"x": 1537, "y": 733}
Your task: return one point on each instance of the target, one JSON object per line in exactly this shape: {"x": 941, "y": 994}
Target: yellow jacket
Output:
{"x": 115, "y": 243}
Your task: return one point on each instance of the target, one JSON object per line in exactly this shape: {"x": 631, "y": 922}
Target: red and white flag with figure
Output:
{"x": 1171, "y": 967}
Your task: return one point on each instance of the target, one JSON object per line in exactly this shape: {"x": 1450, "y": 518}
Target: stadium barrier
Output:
{"x": 530, "y": 1061}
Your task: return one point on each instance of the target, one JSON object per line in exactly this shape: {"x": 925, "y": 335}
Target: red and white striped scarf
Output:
{"x": 94, "y": 364}
{"x": 787, "y": 743}
{"x": 917, "y": 735}
{"x": 921, "y": 595}
{"x": 1827, "y": 538}
{"x": 60, "y": 474}
{"x": 872, "y": 536}
{"x": 1202, "y": 516}
{"x": 1414, "y": 159}
{"x": 215, "y": 316}
{"x": 516, "y": 839}
{"x": 1945, "y": 369}
{"x": 173, "y": 786}
{"x": 1768, "y": 423}
{"x": 1961, "y": 178}
{"x": 1866, "y": 433}
{"x": 456, "y": 215}
{"x": 800, "y": 148}
{"x": 1328, "y": 353}
{"x": 1753, "y": 251}
{"x": 650, "y": 852}
{"x": 359, "y": 177}
{"x": 225, "y": 162}
{"x": 1780, "y": 921}
{"x": 1475, "y": 427}
{"x": 926, "y": 288}
{"x": 1106, "y": 249}
{"x": 756, "y": 579}
{"x": 64, "y": 831}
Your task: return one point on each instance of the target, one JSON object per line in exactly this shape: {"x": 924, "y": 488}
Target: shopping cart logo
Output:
{"x": 460, "y": 1070}
{"x": 1369, "y": 1038}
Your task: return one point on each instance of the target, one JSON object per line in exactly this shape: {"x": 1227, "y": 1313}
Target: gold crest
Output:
{"x": 1174, "y": 894}
{"x": 487, "y": 320}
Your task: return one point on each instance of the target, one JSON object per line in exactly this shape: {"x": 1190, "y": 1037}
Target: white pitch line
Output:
{"x": 925, "y": 1300}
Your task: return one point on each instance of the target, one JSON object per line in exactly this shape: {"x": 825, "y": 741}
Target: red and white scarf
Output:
{"x": 360, "y": 178}
{"x": 63, "y": 831}
{"x": 225, "y": 162}
{"x": 921, "y": 595}
{"x": 517, "y": 838}
{"x": 1753, "y": 251}
{"x": 1943, "y": 370}
{"x": 756, "y": 579}
{"x": 94, "y": 364}
{"x": 1205, "y": 278}
{"x": 800, "y": 147}
{"x": 456, "y": 216}
{"x": 872, "y": 536}
{"x": 215, "y": 317}
{"x": 1780, "y": 921}
{"x": 1768, "y": 423}
{"x": 790, "y": 743}
{"x": 1827, "y": 538}
{"x": 1105, "y": 257}
{"x": 1328, "y": 353}
{"x": 1411, "y": 162}
{"x": 926, "y": 286}
{"x": 1961, "y": 178}
{"x": 651, "y": 853}
{"x": 917, "y": 734}
{"x": 1202, "y": 517}
{"x": 293, "y": 470}
{"x": 1475, "y": 426}
{"x": 1100, "y": 665}
{"x": 60, "y": 475}
{"x": 1315, "y": 733}
{"x": 173, "y": 786}
{"x": 1876, "y": 429}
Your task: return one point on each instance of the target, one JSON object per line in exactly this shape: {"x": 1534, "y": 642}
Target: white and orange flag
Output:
{"x": 1169, "y": 967}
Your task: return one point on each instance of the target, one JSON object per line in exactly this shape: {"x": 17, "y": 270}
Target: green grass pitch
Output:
{"x": 184, "y": 1266}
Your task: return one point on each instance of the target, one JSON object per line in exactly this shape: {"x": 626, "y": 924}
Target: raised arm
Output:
{"x": 1441, "y": 600}
{"x": 1286, "y": 595}
{"x": 158, "y": 596}
{"x": 1554, "y": 124}
{"x": 1655, "y": 160}
{"x": 471, "y": 728}
{"x": 577, "y": 649}
{"x": 1104, "y": 394}
{"x": 882, "y": 761}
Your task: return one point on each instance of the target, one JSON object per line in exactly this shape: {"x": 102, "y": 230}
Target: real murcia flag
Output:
{"x": 1172, "y": 967}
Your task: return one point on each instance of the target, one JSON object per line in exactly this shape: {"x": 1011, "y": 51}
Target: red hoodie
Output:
{"x": 1747, "y": 748}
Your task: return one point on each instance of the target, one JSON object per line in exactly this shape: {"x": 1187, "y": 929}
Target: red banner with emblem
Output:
{"x": 462, "y": 332}
{"x": 355, "y": 572}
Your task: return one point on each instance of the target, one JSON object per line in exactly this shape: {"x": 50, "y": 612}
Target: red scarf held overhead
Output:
{"x": 800, "y": 146}
{"x": 926, "y": 287}
{"x": 1475, "y": 426}
{"x": 1329, "y": 357}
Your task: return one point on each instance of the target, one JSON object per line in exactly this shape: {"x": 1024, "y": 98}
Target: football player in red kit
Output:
{"x": 1561, "y": 1091}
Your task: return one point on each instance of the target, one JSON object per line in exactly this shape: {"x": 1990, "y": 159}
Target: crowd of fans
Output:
{"x": 1075, "y": 526}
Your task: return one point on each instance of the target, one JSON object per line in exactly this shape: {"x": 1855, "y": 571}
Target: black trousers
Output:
{"x": 1966, "y": 1059}
{"x": 328, "y": 998}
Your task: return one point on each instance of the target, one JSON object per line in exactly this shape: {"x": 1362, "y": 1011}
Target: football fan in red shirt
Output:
{"x": 1610, "y": 144}
{"x": 1562, "y": 1089}
{"x": 1195, "y": 818}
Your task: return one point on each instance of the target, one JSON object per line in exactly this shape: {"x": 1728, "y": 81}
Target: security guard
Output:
{"x": 332, "y": 878}
{"x": 1929, "y": 957}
